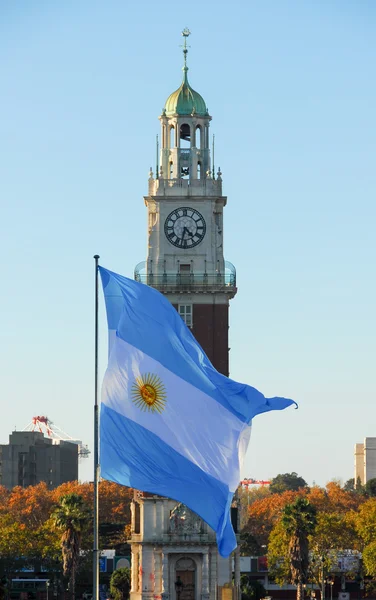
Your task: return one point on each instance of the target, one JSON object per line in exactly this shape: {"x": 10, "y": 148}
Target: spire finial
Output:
{"x": 185, "y": 33}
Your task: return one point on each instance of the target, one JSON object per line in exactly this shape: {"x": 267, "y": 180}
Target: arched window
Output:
{"x": 172, "y": 136}
{"x": 199, "y": 170}
{"x": 198, "y": 136}
{"x": 185, "y": 136}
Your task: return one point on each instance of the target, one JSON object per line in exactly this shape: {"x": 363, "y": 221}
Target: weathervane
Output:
{"x": 185, "y": 33}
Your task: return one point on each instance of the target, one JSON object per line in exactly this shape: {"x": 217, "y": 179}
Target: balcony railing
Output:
{"x": 189, "y": 282}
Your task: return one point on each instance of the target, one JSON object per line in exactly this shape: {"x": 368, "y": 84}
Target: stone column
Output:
{"x": 159, "y": 518}
{"x": 205, "y": 575}
{"x": 213, "y": 575}
{"x": 157, "y": 574}
{"x": 134, "y": 571}
{"x": 193, "y": 134}
{"x": 165, "y": 590}
{"x": 147, "y": 569}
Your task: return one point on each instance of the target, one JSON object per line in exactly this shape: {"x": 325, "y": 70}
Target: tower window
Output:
{"x": 185, "y": 136}
{"x": 172, "y": 136}
{"x": 198, "y": 136}
{"x": 185, "y": 311}
{"x": 199, "y": 171}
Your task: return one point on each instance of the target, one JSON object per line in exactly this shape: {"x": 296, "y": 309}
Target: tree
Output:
{"x": 334, "y": 532}
{"x": 369, "y": 559}
{"x": 246, "y": 497}
{"x": 365, "y": 523}
{"x": 299, "y": 520}
{"x": 286, "y": 481}
{"x": 251, "y": 589}
{"x": 264, "y": 514}
{"x": 278, "y": 563}
{"x": 249, "y": 545}
{"x": 71, "y": 516}
{"x": 370, "y": 487}
{"x": 120, "y": 584}
{"x": 349, "y": 485}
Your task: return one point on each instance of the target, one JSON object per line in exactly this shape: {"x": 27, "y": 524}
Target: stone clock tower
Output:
{"x": 174, "y": 553}
{"x": 185, "y": 204}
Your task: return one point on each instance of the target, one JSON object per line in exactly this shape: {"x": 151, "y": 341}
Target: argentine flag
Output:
{"x": 170, "y": 424}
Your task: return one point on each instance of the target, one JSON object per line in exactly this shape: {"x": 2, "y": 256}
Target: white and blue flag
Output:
{"x": 171, "y": 424}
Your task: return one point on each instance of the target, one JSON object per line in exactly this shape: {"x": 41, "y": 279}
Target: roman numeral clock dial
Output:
{"x": 185, "y": 227}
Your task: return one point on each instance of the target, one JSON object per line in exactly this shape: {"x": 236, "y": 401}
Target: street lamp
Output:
{"x": 47, "y": 586}
{"x": 178, "y": 587}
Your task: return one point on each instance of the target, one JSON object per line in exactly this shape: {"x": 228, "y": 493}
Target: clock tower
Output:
{"x": 185, "y": 259}
{"x": 174, "y": 553}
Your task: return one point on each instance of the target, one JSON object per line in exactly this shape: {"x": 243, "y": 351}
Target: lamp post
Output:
{"x": 322, "y": 579}
{"x": 47, "y": 586}
{"x": 178, "y": 587}
{"x": 331, "y": 583}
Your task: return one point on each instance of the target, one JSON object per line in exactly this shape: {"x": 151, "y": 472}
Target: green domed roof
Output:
{"x": 185, "y": 101}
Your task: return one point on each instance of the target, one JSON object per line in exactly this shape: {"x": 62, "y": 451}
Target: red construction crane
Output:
{"x": 47, "y": 427}
{"x": 247, "y": 482}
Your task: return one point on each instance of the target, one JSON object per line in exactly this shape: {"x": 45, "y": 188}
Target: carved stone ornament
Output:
{"x": 182, "y": 520}
{"x": 185, "y": 564}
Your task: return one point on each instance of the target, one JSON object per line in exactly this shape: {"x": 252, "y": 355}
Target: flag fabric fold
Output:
{"x": 170, "y": 423}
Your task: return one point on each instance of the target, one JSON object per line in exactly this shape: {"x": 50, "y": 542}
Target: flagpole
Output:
{"x": 96, "y": 443}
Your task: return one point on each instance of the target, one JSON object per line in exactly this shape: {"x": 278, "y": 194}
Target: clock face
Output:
{"x": 185, "y": 227}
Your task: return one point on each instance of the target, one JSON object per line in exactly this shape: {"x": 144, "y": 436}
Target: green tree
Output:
{"x": 72, "y": 516}
{"x": 365, "y": 523}
{"x": 370, "y": 487}
{"x": 278, "y": 563}
{"x": 369, "y": 559}
{"x": 299, "y": 520}
{"x": 349, "y": 485}
{"x": 249, "y": 546}
{"x": 251, "y": 589}
{"x": 120, "y": 584}
{"x": 286, "y": 481}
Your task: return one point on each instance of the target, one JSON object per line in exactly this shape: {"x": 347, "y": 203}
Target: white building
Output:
{"x": 365, "y": 460}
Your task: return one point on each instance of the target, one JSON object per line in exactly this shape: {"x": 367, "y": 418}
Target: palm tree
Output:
{"x": 299, "y": 520}
{"x": 71, "y": 515}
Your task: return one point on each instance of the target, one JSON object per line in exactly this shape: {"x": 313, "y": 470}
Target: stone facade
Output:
{"x": 175, "y": 555}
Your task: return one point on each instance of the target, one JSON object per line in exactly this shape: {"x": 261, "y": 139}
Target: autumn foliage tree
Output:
{"x": 28, "y": 535}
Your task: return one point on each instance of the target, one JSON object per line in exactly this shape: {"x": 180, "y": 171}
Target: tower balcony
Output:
{"x": 191, "y": 283}
{"x": 185, "y": 187}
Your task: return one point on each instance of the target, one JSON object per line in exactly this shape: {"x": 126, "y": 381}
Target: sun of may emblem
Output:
{"x": 148, "y": 393}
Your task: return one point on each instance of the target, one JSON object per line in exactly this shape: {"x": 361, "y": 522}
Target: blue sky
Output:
{"x": 292, "y": 92}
